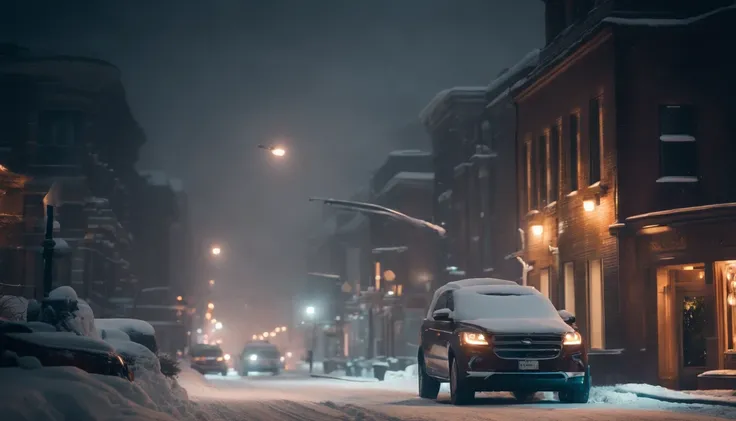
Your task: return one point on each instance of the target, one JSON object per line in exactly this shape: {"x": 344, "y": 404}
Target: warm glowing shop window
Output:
{"x": 728, "y": 288}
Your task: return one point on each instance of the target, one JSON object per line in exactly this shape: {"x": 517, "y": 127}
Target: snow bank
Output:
{"x": 113, "y": 334}
{"x": 662, "y": 393}
{"x": 67, "y": 393}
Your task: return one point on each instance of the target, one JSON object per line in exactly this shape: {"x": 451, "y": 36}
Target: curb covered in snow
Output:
{"x": 346, "y": 379}
{"x": 670, "y": 399}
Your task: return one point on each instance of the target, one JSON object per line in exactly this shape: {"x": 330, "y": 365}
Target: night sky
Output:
{"x": 209, "y": 80}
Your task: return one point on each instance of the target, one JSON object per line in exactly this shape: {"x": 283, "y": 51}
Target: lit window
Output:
{"x": 595, "y": 300}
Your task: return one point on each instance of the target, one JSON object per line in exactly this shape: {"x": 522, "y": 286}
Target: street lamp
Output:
{"x": 275, "y": 150}
{"x": 218, "y": 325}
{"x": 311, "y": 312}
{"x": 216, "y": 250}
{"x": 211, "y": 306}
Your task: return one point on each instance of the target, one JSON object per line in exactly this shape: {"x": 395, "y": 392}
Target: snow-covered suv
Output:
{"x": 495, "y": 335}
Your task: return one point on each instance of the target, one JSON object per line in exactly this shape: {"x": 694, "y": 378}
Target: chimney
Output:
{"x": 555, "y": 19}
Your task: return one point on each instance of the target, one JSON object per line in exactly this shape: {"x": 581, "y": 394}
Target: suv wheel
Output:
{"x": 429, "y": 388}
{"x": 524, "y": 396}
{"x": 577, "y": 394}
{"x": 460, "y": 391}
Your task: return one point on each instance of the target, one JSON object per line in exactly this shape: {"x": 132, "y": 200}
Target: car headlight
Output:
{"x": 573, "y": 338}
{"x": 253, "y": 357}
{"x": 472, "y": 338}
{"x": 220, "y": 358}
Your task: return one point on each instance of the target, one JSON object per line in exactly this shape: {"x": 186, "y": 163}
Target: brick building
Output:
{"x": 645, "y": 87}
{"x": 66, "y": 126}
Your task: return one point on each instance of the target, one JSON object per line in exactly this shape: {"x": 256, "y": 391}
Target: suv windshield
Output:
{"x": 473, "y": 305}
{"x": 207, "y": 352}
{"x": 262, "y": 352}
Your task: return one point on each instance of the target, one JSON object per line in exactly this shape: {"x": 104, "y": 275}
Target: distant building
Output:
{"x": 403, "y": 256}
{"x": 163, "y": 259}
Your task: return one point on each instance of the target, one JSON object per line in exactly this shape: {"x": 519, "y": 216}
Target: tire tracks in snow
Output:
{"x": 358, "y": 413}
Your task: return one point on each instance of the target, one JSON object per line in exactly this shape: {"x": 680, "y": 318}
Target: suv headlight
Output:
{"x": 220, "y": 359}
{"x": 572, "y": 338}
{"x": 253, "y": 357}
{"x": 472, "y": 338}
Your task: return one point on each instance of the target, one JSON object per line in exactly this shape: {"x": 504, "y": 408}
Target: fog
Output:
{"x": 331, "y": 80}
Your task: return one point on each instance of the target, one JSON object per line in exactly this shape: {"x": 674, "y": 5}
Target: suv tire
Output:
{"x": 460, "y": 391}
{"x": 524, "y": 396}
{"x": 577, "y": 394}
{"x": 429, "y": 387}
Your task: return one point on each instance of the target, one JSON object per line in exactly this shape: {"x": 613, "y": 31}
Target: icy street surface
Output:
{"x": 296, "y": 396}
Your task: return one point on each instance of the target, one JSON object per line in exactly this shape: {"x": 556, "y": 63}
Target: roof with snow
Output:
{"x": 410, "y": 152}
{"x": 437, "y": 106}
{"x": 500, "y": 87}
{"x": 161, "y": 179}
{"x": 408, "y": 178}
{"x": 632, "y": 14}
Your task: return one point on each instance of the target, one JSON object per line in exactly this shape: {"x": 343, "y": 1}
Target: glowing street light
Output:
{"x": 275, "y": 150}
{"x": 212, "y": 282}
{"x": 283, "y": 328}
{"x": 211, "y": 306}
{"x": 311, "y": 310}
{"x": 179, "y": 298}
{"x": 213, "y": 321}
{"x": 278, "y": 330}
{"x": 208, "y": 316}
{"x": 218, "y": 325}
{"x": 265, "y": 334}
{"x": 260, "y": 338}
{"x": 255, "y": 337}
{"x": 216, "y": 250}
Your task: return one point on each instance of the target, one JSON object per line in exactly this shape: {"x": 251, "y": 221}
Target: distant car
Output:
{"x": 261, "y": 357}
{"x": 500, "y": 336}
{"x": 208, "y": 359}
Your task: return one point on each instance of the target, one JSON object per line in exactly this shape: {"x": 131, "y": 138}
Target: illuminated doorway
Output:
{"x": 685, "y": 310}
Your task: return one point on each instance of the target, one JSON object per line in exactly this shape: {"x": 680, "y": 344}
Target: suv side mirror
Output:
{"x": 443, "y": 314}
{"x": 568, "y": 317}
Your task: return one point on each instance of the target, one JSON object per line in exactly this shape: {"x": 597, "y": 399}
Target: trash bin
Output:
{"x": 379, "y": 370}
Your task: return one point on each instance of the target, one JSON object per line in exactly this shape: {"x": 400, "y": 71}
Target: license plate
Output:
{"x": 529, "y": 365}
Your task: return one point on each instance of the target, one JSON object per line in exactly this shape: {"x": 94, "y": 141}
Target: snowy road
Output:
{"x": 299, "y": 397}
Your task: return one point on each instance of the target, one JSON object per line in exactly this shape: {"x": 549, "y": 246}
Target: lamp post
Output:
{"x": 311, "y": 313}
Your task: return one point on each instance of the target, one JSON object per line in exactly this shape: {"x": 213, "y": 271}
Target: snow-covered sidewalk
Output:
{"x": 704, "y": 397}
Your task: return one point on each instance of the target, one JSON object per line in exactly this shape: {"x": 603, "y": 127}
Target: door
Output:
{"x": 694, "y": 308}
{"x": 434, "y": 340}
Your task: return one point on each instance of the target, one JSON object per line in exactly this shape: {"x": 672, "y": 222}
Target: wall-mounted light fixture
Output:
{"x": 589, "y": 205}
{"x": 537, "y": 230}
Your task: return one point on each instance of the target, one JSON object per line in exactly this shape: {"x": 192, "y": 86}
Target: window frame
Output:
{"x": 671, "y": 139}
{"x": 573, "y": 155}
{"x": 595, "y": 138}
{"x": 554, "y": 162}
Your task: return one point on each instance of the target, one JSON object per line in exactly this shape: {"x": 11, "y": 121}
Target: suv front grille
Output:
{"x": 523, "y": 347}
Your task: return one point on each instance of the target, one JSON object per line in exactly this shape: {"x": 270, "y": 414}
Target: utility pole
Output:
{"x": 48, "y": 251}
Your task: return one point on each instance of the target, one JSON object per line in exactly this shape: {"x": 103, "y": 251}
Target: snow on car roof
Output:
{"x": 503, "y": 289}
{"x": 64, "y": 340}
{"x": 466, "y": 283}
{"x": 126, "y": 325}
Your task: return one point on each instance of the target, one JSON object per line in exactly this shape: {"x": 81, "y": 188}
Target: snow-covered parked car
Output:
{"x": 138, "y": 331}
{"x": 500, "y": 336}
{"x": 57, "y": 349}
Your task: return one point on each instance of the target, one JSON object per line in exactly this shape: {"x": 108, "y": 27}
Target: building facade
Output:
{"x": 622, "y": 193}
{"x": 66, "y": 127}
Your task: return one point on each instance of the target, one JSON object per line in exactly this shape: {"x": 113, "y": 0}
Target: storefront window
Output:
{"x": 729, "y": 292}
